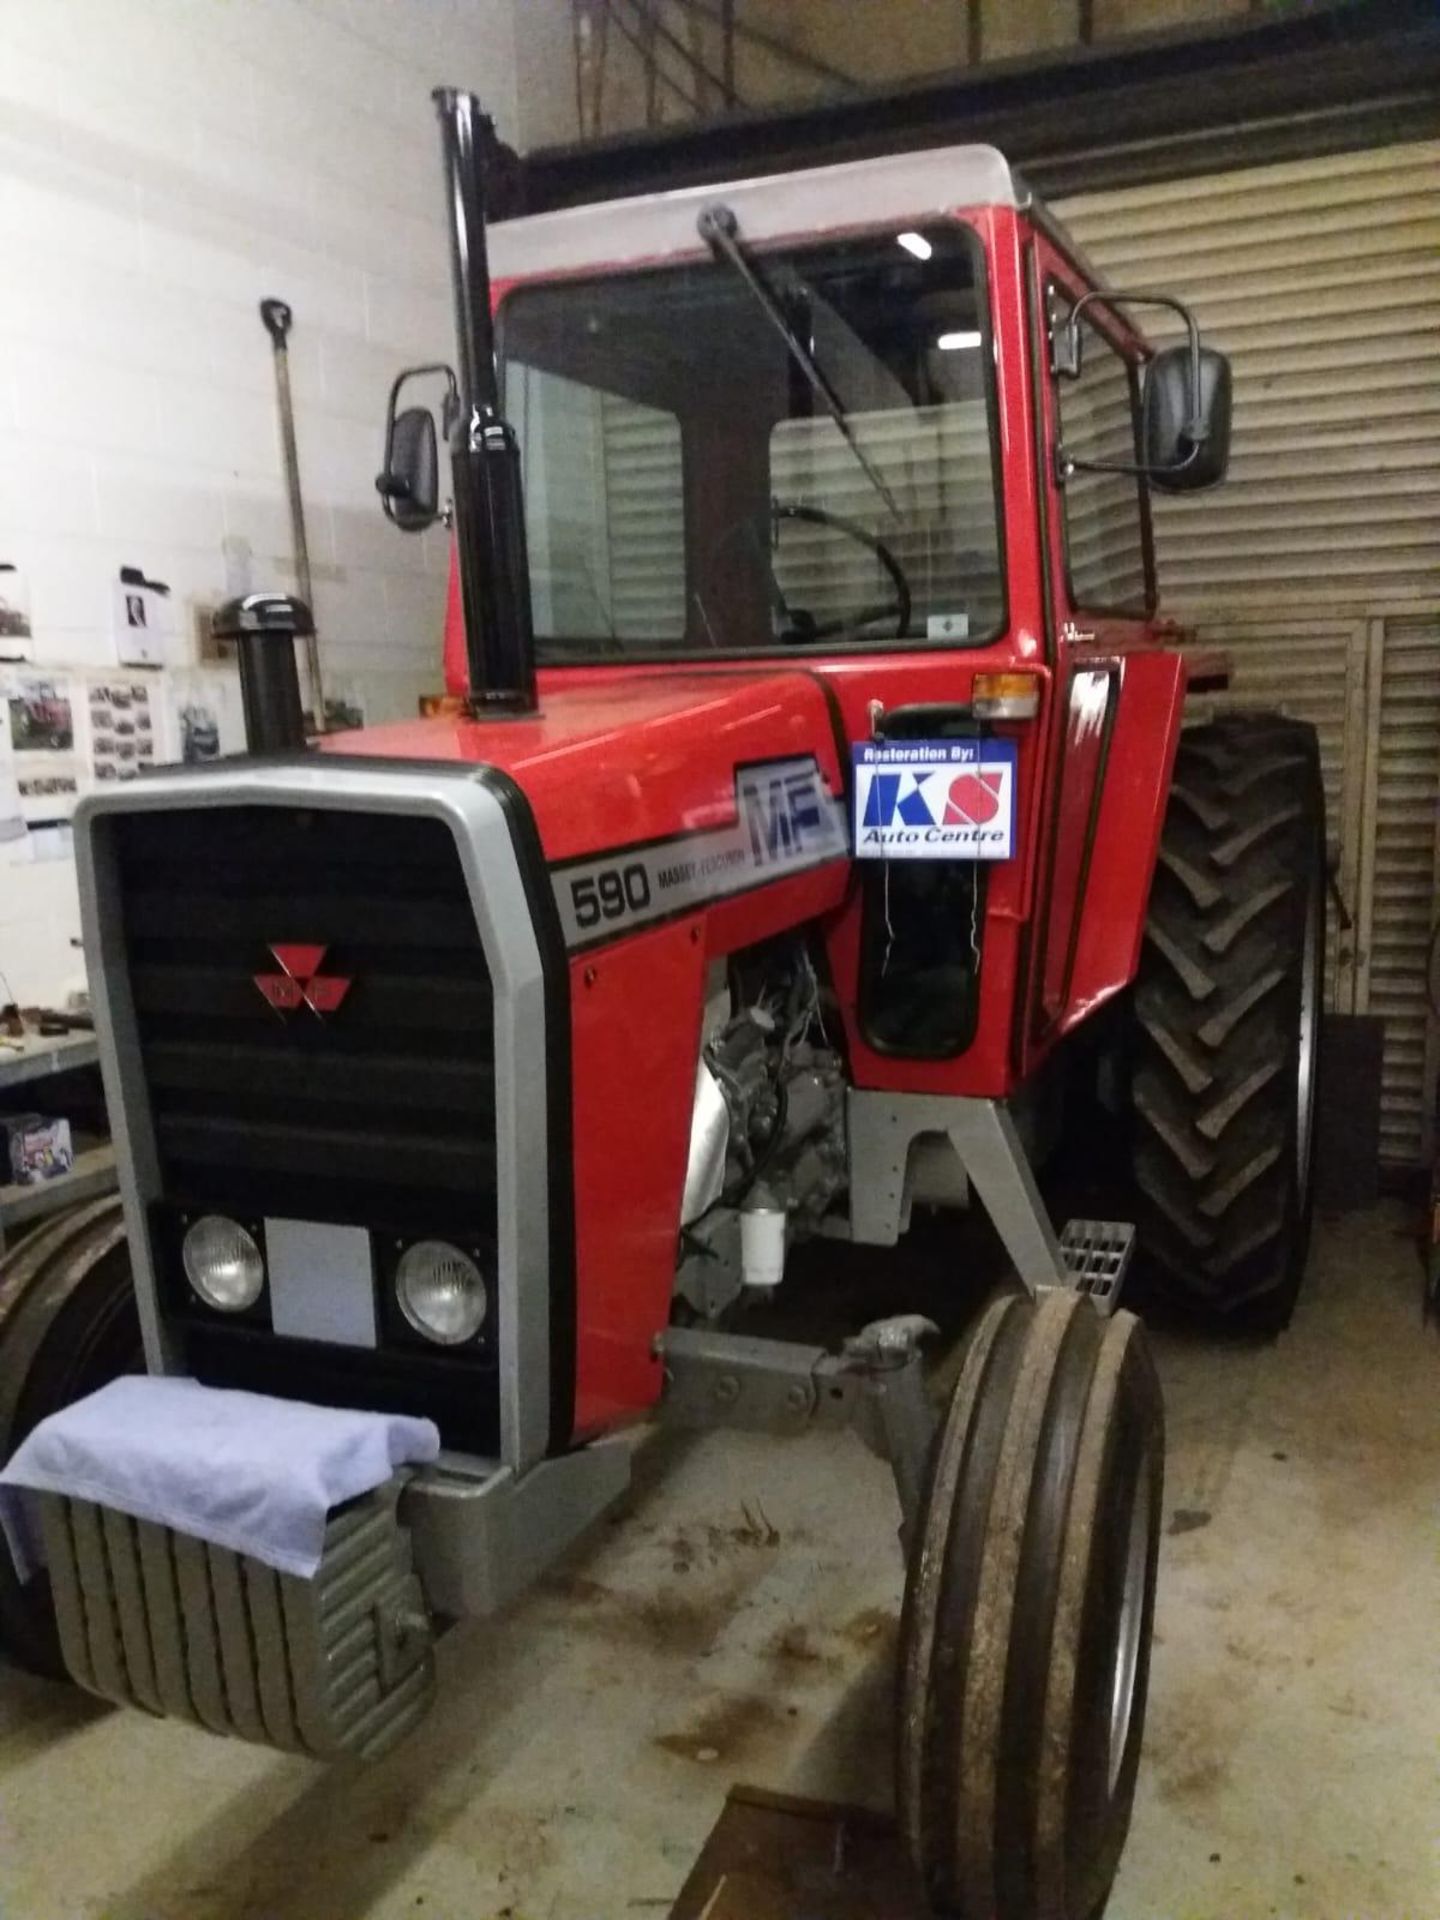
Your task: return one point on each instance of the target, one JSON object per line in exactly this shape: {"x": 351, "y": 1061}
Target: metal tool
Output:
{"x": 278, "y": 318}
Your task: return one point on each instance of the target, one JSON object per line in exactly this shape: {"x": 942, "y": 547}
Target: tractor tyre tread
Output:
{"x": 1224, "y": 1191}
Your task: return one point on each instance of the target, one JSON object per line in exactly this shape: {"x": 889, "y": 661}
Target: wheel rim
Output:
{"x": 1130, "y": 1627}
{"x": 1309, "y": 1037}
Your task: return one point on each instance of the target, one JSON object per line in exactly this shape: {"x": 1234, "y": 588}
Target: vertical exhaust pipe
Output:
{"x": 264, "y": 628}
{"x": 485, "y": 455}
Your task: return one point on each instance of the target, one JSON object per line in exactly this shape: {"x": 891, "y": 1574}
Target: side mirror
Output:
{"x": 1185, "y": 404}
{"x": 409, "y": 481}
{"x": 1185, "y": 419}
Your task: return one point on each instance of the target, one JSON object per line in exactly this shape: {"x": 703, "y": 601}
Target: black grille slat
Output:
{"x": 316, "y": 1076}
{"x": 151, "y": 915}
{"x": 257, "y": 1146}
{"x": 419, "y": 1002}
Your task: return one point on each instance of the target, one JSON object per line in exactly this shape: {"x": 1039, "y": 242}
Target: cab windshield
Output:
{"x": 689, "y": 492}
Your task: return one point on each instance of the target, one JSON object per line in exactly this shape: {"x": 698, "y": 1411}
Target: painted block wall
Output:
{"x": 165, "y": 164}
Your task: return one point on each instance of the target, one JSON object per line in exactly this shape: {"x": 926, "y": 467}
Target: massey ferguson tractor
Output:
{"x": 815, "y": 823}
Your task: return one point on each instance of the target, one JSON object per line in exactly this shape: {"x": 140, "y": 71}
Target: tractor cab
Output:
{"x": 811, "y": 416}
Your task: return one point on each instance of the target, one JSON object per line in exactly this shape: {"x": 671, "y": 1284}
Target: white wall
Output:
{"x": 164, "y": 164}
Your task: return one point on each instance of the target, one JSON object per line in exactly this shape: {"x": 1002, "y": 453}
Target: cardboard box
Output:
{"x": 36, "y": 1148}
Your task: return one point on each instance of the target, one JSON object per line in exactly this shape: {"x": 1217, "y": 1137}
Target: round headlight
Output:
{"x": 223, "y": 1263}
{"x": 441, "y": 1292}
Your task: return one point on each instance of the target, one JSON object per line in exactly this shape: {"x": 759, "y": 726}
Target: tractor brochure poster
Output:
{"x": 40, "y": 725}
{"x": 122, "y": 729}
{"x": 13, "y": 831}
{"x": 935, "y": 800}
{"x": 204, "y": 719}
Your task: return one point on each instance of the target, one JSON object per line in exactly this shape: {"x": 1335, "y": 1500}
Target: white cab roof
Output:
{"x": 904, "y": 188}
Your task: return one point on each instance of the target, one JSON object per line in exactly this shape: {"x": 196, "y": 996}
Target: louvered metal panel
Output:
{"x": 1321, "y": 279}
{"x": 645, "y": 504}
{"x": 1401, "y": 909}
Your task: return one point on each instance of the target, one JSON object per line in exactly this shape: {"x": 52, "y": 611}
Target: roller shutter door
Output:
{"x": 1318, "y": 563}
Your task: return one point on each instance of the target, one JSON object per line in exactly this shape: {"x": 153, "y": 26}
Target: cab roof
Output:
{"x": 905, "y": 189}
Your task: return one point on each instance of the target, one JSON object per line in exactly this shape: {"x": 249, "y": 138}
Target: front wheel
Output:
{"x": 1029, "y": 1606}
{"x": 68, "y": 1324}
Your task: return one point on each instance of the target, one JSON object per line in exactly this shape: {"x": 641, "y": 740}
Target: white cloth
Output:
{"x": 241, "y": 1470}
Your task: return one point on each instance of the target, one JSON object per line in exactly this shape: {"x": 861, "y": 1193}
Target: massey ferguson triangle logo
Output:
{"x": 302, "y": 984}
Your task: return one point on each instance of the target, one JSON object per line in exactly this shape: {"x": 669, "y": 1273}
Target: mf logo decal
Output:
{"x": 935, "y": 800}
{"x": 786, "y": 819}
{"x": 786, "y": 813}
{"x": 300, "y": 983}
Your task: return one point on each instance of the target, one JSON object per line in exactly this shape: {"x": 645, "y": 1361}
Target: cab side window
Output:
{"x": 1105, "y": 514}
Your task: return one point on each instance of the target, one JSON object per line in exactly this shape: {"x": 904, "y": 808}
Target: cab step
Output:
{"x": 1096, "y": 1254}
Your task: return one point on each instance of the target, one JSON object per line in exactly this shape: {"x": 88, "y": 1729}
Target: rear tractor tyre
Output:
{"x": 68, "y": 1324}
{"x": 1029, "y": 1606}
{"x": 1227, "y": 1021}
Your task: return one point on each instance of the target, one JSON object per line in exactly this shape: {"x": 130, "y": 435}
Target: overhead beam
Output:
{"x": 1260, "y": 87}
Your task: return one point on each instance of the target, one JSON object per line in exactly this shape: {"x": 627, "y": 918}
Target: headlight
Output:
{"x": 441, "y": 1292}
{"x": 223, "y": 1263}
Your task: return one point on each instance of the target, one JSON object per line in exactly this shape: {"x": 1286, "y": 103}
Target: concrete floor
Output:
{"x": 737, "y": 1623}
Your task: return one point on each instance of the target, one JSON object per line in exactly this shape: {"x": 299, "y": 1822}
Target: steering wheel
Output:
{"x": 798, "y": 626}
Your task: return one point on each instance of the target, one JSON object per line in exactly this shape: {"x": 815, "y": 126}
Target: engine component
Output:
{"x": 762, "y": 1245}
{"x": 767, "y": 1140}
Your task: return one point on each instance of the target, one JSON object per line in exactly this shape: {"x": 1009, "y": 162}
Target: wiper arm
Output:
{"x": 720, "y": 231}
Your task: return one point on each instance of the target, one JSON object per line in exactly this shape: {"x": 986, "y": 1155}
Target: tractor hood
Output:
{"x": 713, "y": 782}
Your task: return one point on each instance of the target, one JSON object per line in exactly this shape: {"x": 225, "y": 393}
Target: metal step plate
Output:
{"x": 1096, "y": 1254}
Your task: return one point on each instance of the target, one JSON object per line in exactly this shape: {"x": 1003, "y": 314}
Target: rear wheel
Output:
{"x": 1227, "y": 1020}
{"x": 68, "y": 1324}
{"x": 1029, "y": 1606}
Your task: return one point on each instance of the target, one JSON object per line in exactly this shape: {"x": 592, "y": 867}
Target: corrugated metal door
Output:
{"x": 1318, "y": 563}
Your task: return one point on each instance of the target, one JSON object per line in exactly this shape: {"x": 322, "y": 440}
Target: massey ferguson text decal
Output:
{"x": 935, "y": 800}
{"x": 786, "y": 819}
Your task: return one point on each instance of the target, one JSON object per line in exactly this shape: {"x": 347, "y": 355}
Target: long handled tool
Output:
{"x": 278, "y": 318}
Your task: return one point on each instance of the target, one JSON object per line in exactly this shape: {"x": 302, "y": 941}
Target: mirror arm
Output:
{"x": 1067, "y": 365}
{"x": 1066, "y": 464}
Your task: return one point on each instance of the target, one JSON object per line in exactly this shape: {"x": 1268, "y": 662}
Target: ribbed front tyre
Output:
{"x": 1227, "y": 1020}
{"x": 68, "y": 1324}
{"x": 1029, "y": 1606}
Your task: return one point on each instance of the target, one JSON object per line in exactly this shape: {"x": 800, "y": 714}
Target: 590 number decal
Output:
{"x": 785, "y": 820}
{"x": 610, "y": 894}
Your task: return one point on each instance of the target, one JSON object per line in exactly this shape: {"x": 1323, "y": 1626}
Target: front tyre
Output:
{"x": 1029, "y": 1608}
{"x": 68, "y": 1325}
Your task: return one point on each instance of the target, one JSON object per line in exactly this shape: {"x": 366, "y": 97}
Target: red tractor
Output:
{"x": 816, "y": 825}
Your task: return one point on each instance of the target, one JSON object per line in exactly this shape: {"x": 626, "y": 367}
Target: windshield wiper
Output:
{"x": 720, "y": 230}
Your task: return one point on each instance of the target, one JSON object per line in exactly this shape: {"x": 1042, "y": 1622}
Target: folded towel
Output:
{"x": 241, "y": 1470}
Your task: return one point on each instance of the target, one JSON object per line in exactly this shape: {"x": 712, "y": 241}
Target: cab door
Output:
{"x": 1100, "y": 577}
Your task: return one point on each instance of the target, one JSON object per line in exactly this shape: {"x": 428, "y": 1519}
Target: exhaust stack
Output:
{"x": 485, "y": 455}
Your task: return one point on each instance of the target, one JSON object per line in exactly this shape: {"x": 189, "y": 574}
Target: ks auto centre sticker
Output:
{"x": 935, "y": 800}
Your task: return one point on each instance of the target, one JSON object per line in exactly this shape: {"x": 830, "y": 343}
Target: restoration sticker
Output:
{"x": 935, "y": 800}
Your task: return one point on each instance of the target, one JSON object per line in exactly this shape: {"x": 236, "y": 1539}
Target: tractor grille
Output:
{"x": 381, "y": 1113}
{"x": 378, "y": 1114}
